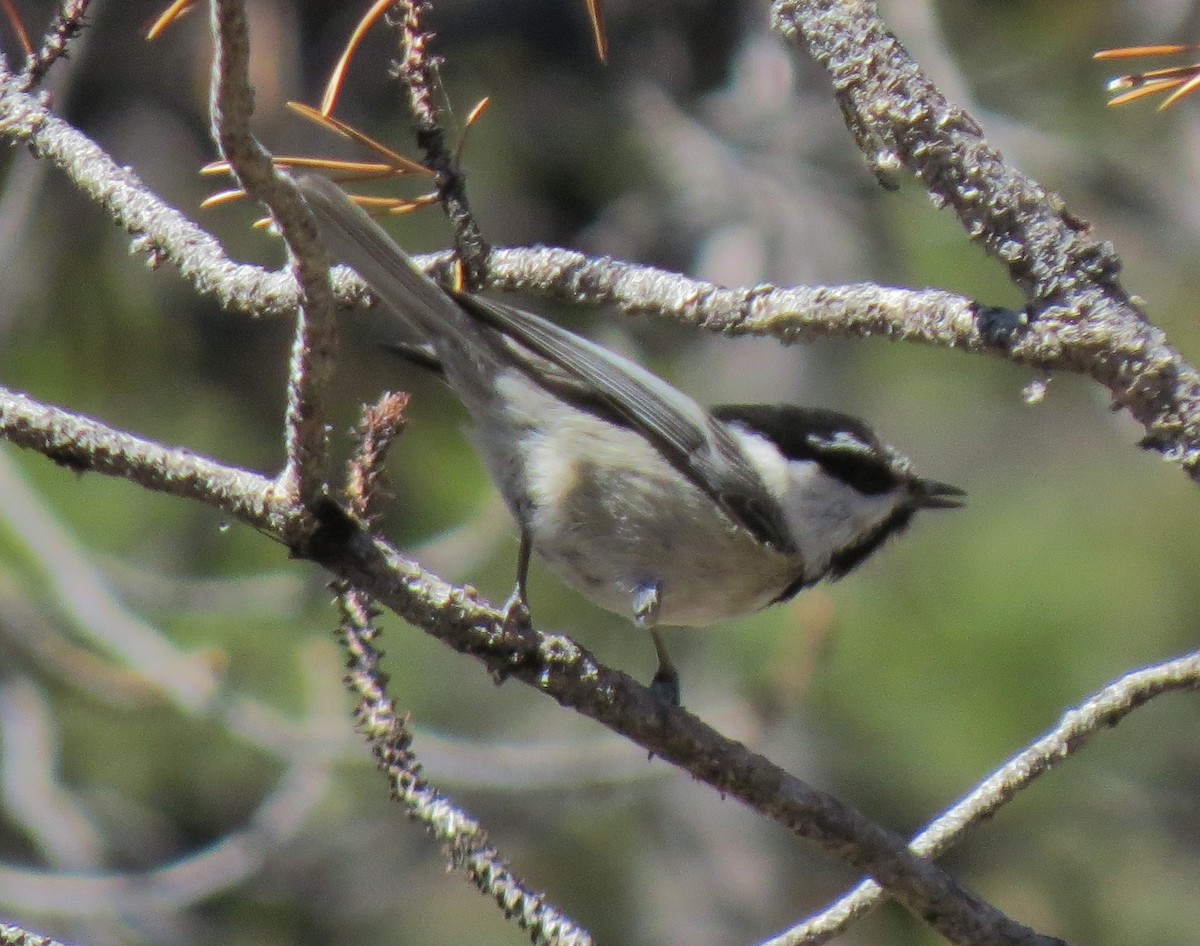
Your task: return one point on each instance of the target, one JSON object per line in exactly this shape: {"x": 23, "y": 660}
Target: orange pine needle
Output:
{"x": 472, "y": 117}
{"x": 397, "y": 162}
{"x": 1136, "y": 52}
{"x": 401, "y": 207}
{"x": 599, "y": 35}
{"x": 1179, "y": 81}
{"x": 1187, "y": 88}
{"x": 479, "y": 109}
{"x": 222, "y": 197}
{"x": 376, "y": 203}
{"x": 14, "y": 20}
{"x": 1151, "y": 88}
{"x": 168, "y": 16}
{"x": 366, "y": 169}
{"x": 334, "y": 87}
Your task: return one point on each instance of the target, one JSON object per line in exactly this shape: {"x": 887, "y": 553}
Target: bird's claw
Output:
{"x": 664, "y": 687}
{"x": 516, "y": 615}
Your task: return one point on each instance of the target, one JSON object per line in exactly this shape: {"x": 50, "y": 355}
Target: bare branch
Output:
{"x": 80, "y": 443}
{"x": 161, "y": 232}
{"x": 1097, "y": 713}
{"x": 67, "y": 26}
{"x": 467, "y": 844}
{"x": 315, "y": 343}
{"x": 418, "y": 70}
{"x": 563, "y": 670}
{"x": 861, "y": 310}
{"x": 1083, "y": 319}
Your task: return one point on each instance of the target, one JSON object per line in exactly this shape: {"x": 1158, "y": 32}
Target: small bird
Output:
{"x": 649, "y": 504}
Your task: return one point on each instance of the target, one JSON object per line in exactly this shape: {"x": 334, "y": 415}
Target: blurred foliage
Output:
{"x": 702, "y": 146}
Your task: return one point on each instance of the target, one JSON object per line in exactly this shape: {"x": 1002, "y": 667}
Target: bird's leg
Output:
{"x": 516, "y": 609}
{"x": 665, "y": 685}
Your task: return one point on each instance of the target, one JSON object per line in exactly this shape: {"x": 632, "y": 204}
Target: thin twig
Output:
{"x": 367, "y": 488}
{"x": 1075, "y": 729}
{"x": 313, "y": 350}
{"x": 1082, "y": 318}
{"x": 551, "y": 663}
{"x": 467, "y": 845}
{"x": 67, "y": 26}
{"x": 418, "y": 70}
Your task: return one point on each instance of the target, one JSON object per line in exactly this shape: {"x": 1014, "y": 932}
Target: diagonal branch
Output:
{"x": 551, "y": 663}
{"x": 570, "y": 675}
{"x": 418, "y": 70}
{"x": 312, "y": 361}
{"x": 160, "y": 231}
{"x": 1083, "y": 319}
{"x": 1097, "y": 713}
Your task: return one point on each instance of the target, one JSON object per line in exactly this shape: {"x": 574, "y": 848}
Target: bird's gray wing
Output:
{"x": 352, "y": 237}
{"x": 687, "y": 435}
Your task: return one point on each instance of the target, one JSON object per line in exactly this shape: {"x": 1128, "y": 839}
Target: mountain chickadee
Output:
{"x": 644, "y": 501}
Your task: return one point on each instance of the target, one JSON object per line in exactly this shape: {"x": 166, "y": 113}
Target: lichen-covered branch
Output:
{"x": 1082, "y": 318}
{"x": 417, "y": 69}
{"x": 312, "y": 362}
{"x": 467, "y": 845}
{"x": 1078, "y": 726}
{"x": 552, "y": 663}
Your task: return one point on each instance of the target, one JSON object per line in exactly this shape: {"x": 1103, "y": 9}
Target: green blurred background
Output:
{"x": 707, "y": 147}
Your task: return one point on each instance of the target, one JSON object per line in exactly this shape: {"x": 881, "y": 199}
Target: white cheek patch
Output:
{"x": 824, "y": 514}
{"x": 766, "y": 459}
{"x": 827, "y": 515}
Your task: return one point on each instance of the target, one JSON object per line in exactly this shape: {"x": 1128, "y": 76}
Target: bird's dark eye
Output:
{"x": 856, "y": 468}
{"x": 844, "y": 447}
{"x": 857, "y": 461}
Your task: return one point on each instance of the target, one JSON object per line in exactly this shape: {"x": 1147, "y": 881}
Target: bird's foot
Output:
{"x": 516, "y": 614}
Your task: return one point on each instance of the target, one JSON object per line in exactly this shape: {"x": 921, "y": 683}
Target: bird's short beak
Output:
{"x": 930, "y": 494}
